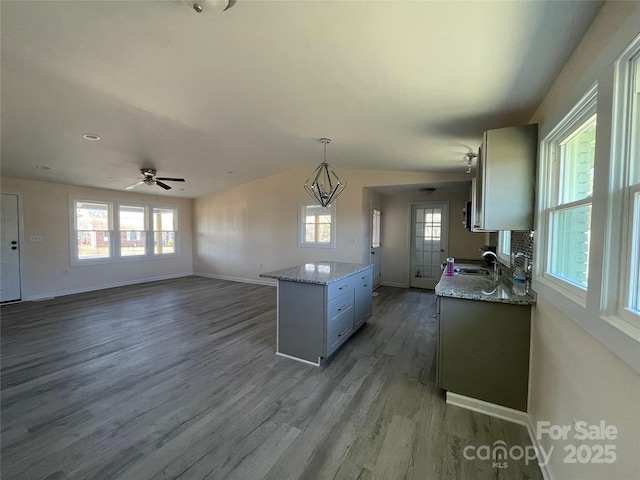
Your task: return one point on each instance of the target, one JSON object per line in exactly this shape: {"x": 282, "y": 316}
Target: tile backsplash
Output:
{"x": 521, "y": 242}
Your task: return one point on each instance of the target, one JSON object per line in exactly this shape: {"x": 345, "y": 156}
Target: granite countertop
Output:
{"x": 319, "y": 273}
{"x": 483, "y": 288}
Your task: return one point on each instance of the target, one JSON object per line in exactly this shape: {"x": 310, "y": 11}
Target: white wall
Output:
{"x": 253, "y": 228}
{"x": 574, "y": 376}
{"x": 44, "y": 210}
{"x": 396, "y": 223}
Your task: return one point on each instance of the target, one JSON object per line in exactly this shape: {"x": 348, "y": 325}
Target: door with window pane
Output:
{"x": 376, "y": 233}
{"x": 429, "y": 227}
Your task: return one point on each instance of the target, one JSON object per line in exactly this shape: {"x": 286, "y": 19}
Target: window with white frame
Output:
{"x": 132, "y": 230}
{"x": 142, "y": 231}
{"x": 504, "y": 246}
{"x": 317, "y": 226}
{"x": 93, "y": 226}
{"x": 630, "y": 168}
{"x": 569, "y": 155}
{"x": 164, "y": 231}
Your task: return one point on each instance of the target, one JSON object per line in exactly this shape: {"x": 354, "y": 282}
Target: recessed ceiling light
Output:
{"x": 91, "y": 136}
{"x": 43, "y": 167}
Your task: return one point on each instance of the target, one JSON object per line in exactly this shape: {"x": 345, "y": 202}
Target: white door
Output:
{"x": 376, "y": 235}
{"x": 429, "y": 227}
{"x": 9, "y": 249}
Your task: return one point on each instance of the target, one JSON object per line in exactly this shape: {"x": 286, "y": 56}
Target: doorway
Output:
{"x": 429, "y": 242}
{"x": 376, "y": 235}
{"x": 9, "y": 249}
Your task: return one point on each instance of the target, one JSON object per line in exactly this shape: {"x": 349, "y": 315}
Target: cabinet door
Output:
{"x": 363, "y": 298}
{"x": 485, "y": 350}
{"x": 505, "y": 181}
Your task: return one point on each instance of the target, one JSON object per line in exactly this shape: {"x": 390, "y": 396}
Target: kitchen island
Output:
{"x": 483, "y": 344}
{"x": 320, "y": 305}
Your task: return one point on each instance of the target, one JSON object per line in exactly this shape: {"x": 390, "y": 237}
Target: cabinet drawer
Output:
{"x": 338, "y": 306}
{"x": 339, "y": 330}
{"x": 365, "y": 277}
{"x": 340, "y": 287}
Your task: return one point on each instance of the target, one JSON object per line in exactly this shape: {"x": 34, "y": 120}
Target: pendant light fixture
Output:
{"x": 324, "y": 185}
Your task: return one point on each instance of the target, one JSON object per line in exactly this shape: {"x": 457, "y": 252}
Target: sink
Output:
{"x": 478, "y": 271}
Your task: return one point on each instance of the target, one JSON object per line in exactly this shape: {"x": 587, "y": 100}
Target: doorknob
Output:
{"x": 442, "y": 249}
{"x": 14, "y": 248}
{"x": 14, "y": 243}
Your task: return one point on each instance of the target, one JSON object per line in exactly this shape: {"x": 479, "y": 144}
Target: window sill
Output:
{"x": 316, "y": 245}
{"x": 606, "y": 330}
{"x": 108, "y": 261}
{"x": 573, "y": 293}
{"x": 628, "y": 328}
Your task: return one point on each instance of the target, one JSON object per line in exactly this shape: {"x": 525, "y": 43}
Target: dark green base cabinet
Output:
{"x": 315, "y": 320}
{"x": 484, "y": 350}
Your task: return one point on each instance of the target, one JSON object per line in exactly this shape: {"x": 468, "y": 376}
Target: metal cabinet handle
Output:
{"x": 346, "y": 305}
{"x": 365, "y": 285}
{"x": 343, "y": 332}
{"x": 344, "y": 286}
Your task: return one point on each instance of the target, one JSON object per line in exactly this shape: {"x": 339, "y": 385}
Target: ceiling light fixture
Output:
{"x": 470, "y": 156}
{"x": 198, "y": 6}
{"x": 43, "y": 167}
{"x": 91, "y": 136}
{"x": 324, "y": 185}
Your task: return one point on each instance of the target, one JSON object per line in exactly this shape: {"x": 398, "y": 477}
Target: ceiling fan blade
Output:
{"x": 163, "y": 185}
{"x": 170, "y": 179}
{"x": 134, "y": 185}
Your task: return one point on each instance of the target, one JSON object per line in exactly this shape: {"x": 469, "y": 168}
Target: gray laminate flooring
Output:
{"x": 178, "y": 379}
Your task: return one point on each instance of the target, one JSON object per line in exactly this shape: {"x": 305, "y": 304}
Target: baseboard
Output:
{"x": 491, "y": 409}
{"x": 268, "y": 282}
{"x": 393, "y": 284}
{"x": 544, "y": 469}
{"x": 50, "y": 295}
{"x": 504, "y": 413}
{"x": 298, "y": 359}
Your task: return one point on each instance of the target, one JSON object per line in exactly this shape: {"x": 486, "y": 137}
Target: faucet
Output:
{"x": 494, "y": 260}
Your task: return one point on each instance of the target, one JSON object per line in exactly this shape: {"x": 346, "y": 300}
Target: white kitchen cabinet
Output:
{"x": 503, "y": 193}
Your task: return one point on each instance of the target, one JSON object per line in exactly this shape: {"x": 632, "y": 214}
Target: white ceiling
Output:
{"x": 396, "y": 85}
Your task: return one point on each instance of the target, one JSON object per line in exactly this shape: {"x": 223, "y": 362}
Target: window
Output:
{"x": 375, "y": 230}
{"x": 93, "y": 226}
{"x": 504, "y": 247}
{"x": 94, "y": 221}
{"x": 164, "y": 231}
{"x": 630, "y": 170}
{"x": 132, "y": 231}
{"x": 588, "y": 211}
{"x": 569, "y": 154}
{"x": 317, "y": 226}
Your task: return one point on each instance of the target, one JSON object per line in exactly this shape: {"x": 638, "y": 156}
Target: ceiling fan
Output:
{"x": 149, "y": 178}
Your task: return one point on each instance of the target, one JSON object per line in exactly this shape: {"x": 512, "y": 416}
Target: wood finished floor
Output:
{"x": 178, "y": 379}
